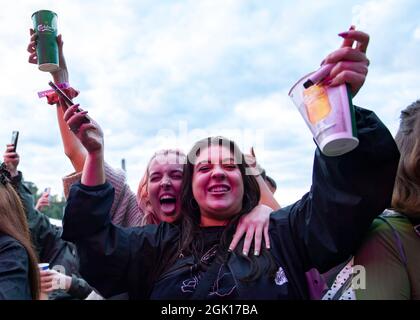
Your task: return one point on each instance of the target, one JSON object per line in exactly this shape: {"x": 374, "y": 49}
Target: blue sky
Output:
{"x": 159, "y": 74}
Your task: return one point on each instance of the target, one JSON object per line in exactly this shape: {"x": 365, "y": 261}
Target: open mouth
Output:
{"x": 168, "y": 204}
{"x": 219, "y": 189}
{"x": 167, "y": 199}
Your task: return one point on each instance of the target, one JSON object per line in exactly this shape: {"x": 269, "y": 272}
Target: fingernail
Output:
{"x": 322, "y": 62}
{"x": 343, "y": 34}
{"x": 230, "y": 250}
{"x": 256, "y": 253}
{"x": 352, "y": 27}
{"x": 245, "y": 253}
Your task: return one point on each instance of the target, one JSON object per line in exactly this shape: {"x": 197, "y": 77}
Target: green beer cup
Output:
{"x": 45, "y": 26}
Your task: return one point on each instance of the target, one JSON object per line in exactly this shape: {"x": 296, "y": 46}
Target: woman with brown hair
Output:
{"x": 19, "y": 274}
{"x": 391, "y": 252}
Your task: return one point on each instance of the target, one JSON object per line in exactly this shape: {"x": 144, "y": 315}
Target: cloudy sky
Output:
{"x": 163, "y": 73}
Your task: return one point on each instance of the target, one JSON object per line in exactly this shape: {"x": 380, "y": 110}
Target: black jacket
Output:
{"x": 45, "y": 236}
{"x": 49, "y": 246}
{"x": 14, "y": 270}
{"x": 320, "y": 230}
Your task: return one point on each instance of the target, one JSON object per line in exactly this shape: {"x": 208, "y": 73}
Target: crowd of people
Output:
{"x": 205, "y": 224}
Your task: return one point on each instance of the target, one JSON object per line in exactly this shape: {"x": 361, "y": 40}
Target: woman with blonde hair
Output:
{"x": 19, "y": 274}
{"x": 156, "y": 210}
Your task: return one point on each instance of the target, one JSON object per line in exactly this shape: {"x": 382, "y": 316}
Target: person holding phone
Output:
{"x": 15, "y": 137}
{"x": 44, "y": 200}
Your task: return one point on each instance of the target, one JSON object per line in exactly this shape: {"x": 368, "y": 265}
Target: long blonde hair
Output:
{"x": 13, "y": 223}
{"x": 150, "y": 216}
{"x": 406, "y": 196}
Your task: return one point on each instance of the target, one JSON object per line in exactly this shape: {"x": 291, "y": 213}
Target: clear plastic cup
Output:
{"x": 43, "y": 267}
{"x": 329, "y": 114}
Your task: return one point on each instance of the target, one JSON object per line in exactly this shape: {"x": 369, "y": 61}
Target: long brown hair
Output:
{"x": 189, "y": 244}
{"x": 150, "y": 216}
{"x": 406, "y": 196}
{"x": 13, "y": 223}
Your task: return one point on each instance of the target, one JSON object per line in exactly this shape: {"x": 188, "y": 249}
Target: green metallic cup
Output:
{"x": 45, "y": 26}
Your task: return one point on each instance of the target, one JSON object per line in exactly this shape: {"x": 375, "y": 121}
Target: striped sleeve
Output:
{"x": 124, "y": 211}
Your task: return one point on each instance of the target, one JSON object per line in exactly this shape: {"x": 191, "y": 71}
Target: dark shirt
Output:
{"x": 14, "y": 266}
{"x": 49, "y": 246}
{"x": 182, "y": 278}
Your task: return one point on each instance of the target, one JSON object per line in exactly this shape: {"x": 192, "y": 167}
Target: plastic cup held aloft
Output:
{"x": 45, "y": 26}
{"x": 328, "y": 112}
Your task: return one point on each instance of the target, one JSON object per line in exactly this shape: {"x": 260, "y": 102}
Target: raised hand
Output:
{"x": 89, "y": 133}
{"x": 60, "y": 75}
{"x": 351, "y": 63}
{"x": 43, "y": 201}
{"x": 11, "y": 160}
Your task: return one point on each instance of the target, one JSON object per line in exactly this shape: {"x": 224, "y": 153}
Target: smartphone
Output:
{"x": 15, "y": 136}
{"x": 48, "y": 190}
{"x": 61, "y": 93}
{"x": 66, "y": 99}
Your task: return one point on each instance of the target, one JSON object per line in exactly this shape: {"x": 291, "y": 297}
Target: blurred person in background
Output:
{"x": 390, "y": 253}
{"x": 46, "y": 238}
{"x": 19, "y": 274}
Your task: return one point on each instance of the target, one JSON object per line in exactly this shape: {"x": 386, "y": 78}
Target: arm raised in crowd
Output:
{"x": 127, "y": 215}
{"x": 43, "y": 201}
{"x": 350, "y": 190}
{"x": 73, "y": 149}
{"x": 91, "y": 137}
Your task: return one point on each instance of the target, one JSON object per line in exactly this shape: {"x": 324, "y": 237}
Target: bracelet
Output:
{"x": 53, "y": 98}
{"x": 63, "y": 85}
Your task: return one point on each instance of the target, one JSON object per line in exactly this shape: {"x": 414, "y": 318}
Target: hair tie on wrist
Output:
{"x": 63, "y": 85}
{"x": 52, "y": 97}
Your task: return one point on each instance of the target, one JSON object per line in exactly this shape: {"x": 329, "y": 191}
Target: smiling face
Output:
{"x": 164, "y": 186}
{"x": 217, "y": 186}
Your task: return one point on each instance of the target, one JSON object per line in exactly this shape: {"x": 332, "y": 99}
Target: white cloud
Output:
{"x": 372, "y": 14}
{"x": 417, "y": 33}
